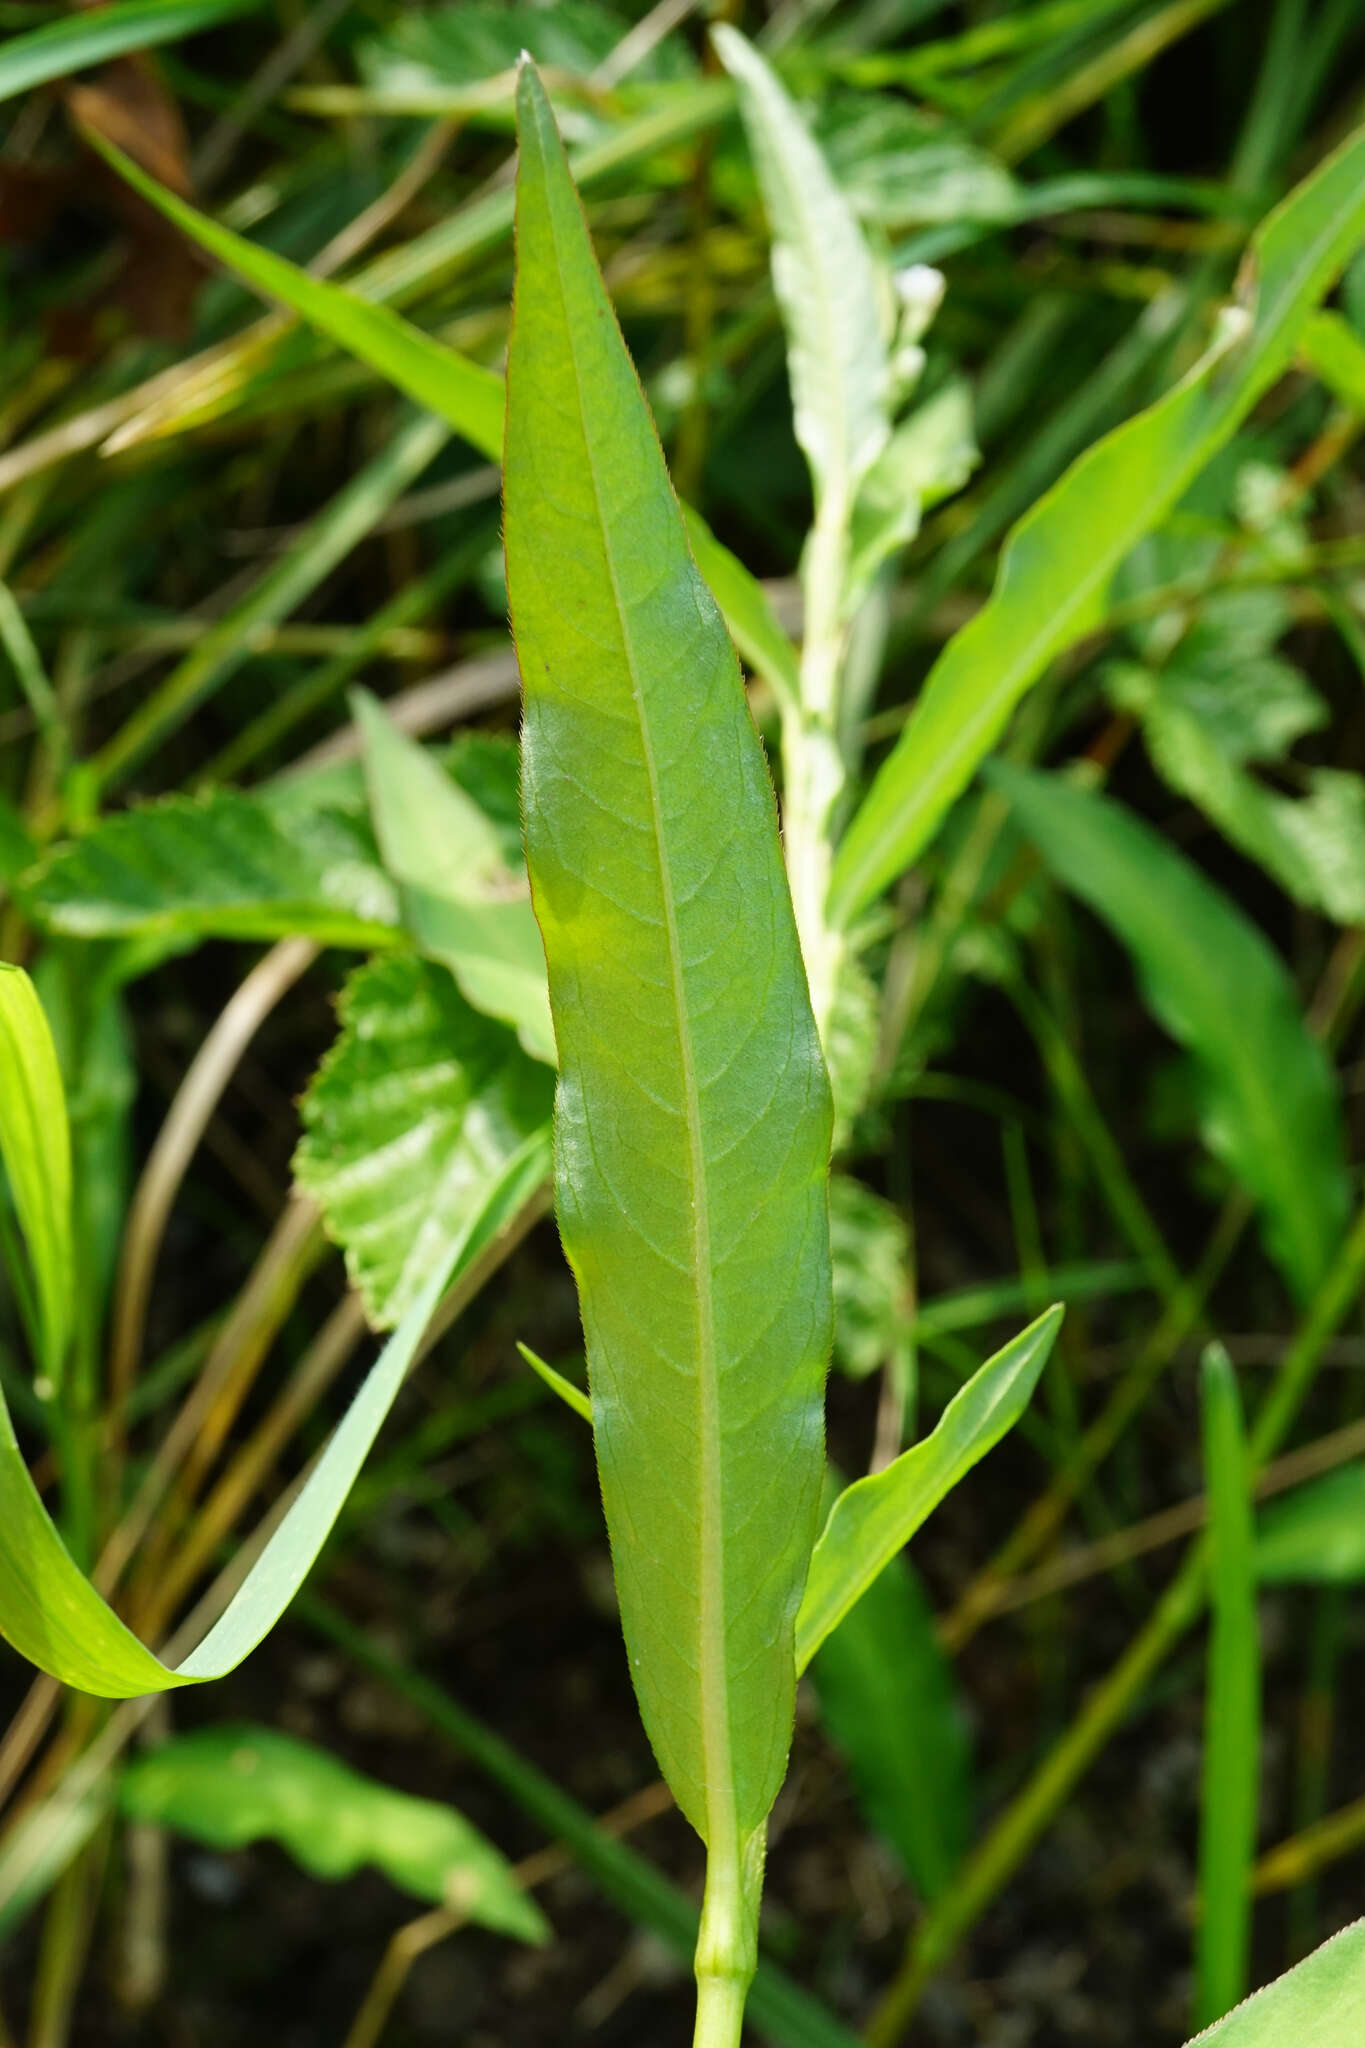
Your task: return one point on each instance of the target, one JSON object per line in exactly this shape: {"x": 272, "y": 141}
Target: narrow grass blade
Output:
{"x": 1269, "y": 1106}
{"x": 1227, "y": 1823}
{"x": 52, "y": 1614}
{"x": 572, "y": 1396}
{"x": 237, "y": 1783}
{"x": 60, "y": 47}
{"x": 744, "y": 604}
{"x": 1057, "y": 563}
{"x": 1316, "y": 2005}
{"x": 875, "y": 1517}
{"x": 35, "y": 1146}
{"x": 693, "y": 1121}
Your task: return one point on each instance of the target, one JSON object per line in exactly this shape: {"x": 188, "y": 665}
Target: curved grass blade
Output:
{"x": 693, "y": 1120}
{"x": 1270, "y": 1109}
{"x": 875, "y": 1517}
{"x": 1228, "y": 1809}
{"x": 60, "y": 47}
{"x": 1056, "y": 565}
{"x": 1316, "y": 2005}
{"x": 237, "y": 1783}
{"x": 52, "y": 1614}
{"x": 35, "y": 1146}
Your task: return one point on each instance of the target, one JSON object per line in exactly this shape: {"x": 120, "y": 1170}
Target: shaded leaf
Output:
{"x": 930, "y": 455}
{"x": 94, "y": 35}
{"x": 1315, "y": 1536}
{"x": 870, "y": 1255}
{"x": 408, "y": 1122}
{"x": 1269, "y": 1109}
{"x": 35, "y": 1147}
{"x": 237, "y": 1783}
{"x": 900, "y": 165}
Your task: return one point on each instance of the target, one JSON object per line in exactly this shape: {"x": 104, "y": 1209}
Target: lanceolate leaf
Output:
{"x": 52, "y": 1614}
{"x": 233, "y": 1784}
{"x": 1270, "y": 1111}
{"x": 1057, "y": 563}
{"x": 461, "y": 901}
{"x": 875, "y": 1517}
{"x": 1316, "y": 2005}
{"x": 1315, "y": 1535}
{"x": 408, "y": 1122}
{"x": 35, "y": 1147}
{"x": 222, "y": 866}
{"x": 824, "y": 281}
{"x": 693, "y": 1113}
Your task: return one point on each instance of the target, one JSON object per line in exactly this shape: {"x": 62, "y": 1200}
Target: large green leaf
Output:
{"x": 1058, "y": 561}
{"x": 92, "y": 37}
{"x": 462, "y": 901}
{"x": 693, "y": 1118}
{"x": 52, "y": 1614}
{"x": 824, "y": 280}
{"x": 408, "y": 1122}
{"x": 875, "y": 1517}
{"x": 1231, "y": 1788}
{"x": 1269, "y": 1106}
{"x": 1316, "y": 2005}
{"x": 888, "y": 1699}
{"x": 35, "y": 1146}
{"x": 224, "y": 865}
{"x": 238, "y": 1783}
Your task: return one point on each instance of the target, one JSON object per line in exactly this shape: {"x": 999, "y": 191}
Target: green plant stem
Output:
{"x": 727, "y": 1943}
{"x": 812, "y": 763}
{"x": 1025, "y": 1819}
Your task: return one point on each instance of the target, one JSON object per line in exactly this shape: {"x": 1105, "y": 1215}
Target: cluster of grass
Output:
{"x": 1092, "y": 1014}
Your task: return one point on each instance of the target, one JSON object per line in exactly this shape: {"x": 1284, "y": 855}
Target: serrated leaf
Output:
{"x": 693, "y": 1116}
{"x": 824, "y": 280}
{"x": 237, "y": 1783}
{"x": 409, "y": 1120}
{"x": 1058, "y": 561}
{"x": 888, "y": 1699}
{"x": 216, "y": 866}
{"x": 35, "y": 1148}
{"x": 1316, "y": 2005}
{"x": 1270, "y": 1109}
{"x": 875, "y": 1517}
{"x": 462, "y": 902}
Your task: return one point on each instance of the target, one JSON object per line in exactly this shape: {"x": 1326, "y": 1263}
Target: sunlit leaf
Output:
{"x": 93, "y": 36}
{"x": 1315, "y": 1536}
{"x": 1316, "y": 2005}
{"x": 237, "y": 1783}
{"x": 693, "y": 1116}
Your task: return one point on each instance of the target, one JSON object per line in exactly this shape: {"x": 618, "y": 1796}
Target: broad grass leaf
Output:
{"x": 35, "y": 1148}
{"x": 1270, "y": 1111}
{"x": 1232, "y": 1715}
{"x": 408, "y": 1121}
{"x": 888, "y": 1699}
{"x": 825, "y": 283}
{"x": 237, "y": 1783}
{"x": 874, "y": 1518}
{"x": 224, "y": 865}
{"x": 58, "y": 48}
{"x": 1058, "y": 561}
{"x": 693, "y": 1116}
{"x": 462, "y": 902}
{"x": 1315, "y": 2005}
{"x": 1335, "y": 353}
{"x": 1315, "y": 1536}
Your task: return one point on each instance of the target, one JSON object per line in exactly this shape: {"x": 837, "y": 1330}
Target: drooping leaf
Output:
{"x": 1333, "y": 351}
{"x": 408, "y": 1121}
{"x": 1315, "y": 2005}
{"x": 1231, "y": 1788}
{"x": 462, "y": 902}
{"x": 52, "y": 1614}
{"x": 237, "y": 1783}
{"x": 1057, "y": 564}
{"x": 75, "y": 43}
{"x": 693, "y": 1116}
{"x": 824, "y": 280}
{"x": 875, "y": 1517}
{"x": 1269, "y": 1111}
{"x": 1315, "y": 1536}
{"x": 888, "y": 1699}
{"x": 224, "y": 865}
{"x": 35, "y": 1148}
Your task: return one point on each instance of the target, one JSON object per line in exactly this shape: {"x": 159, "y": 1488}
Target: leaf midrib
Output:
{"x": 718, "y": 1788}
